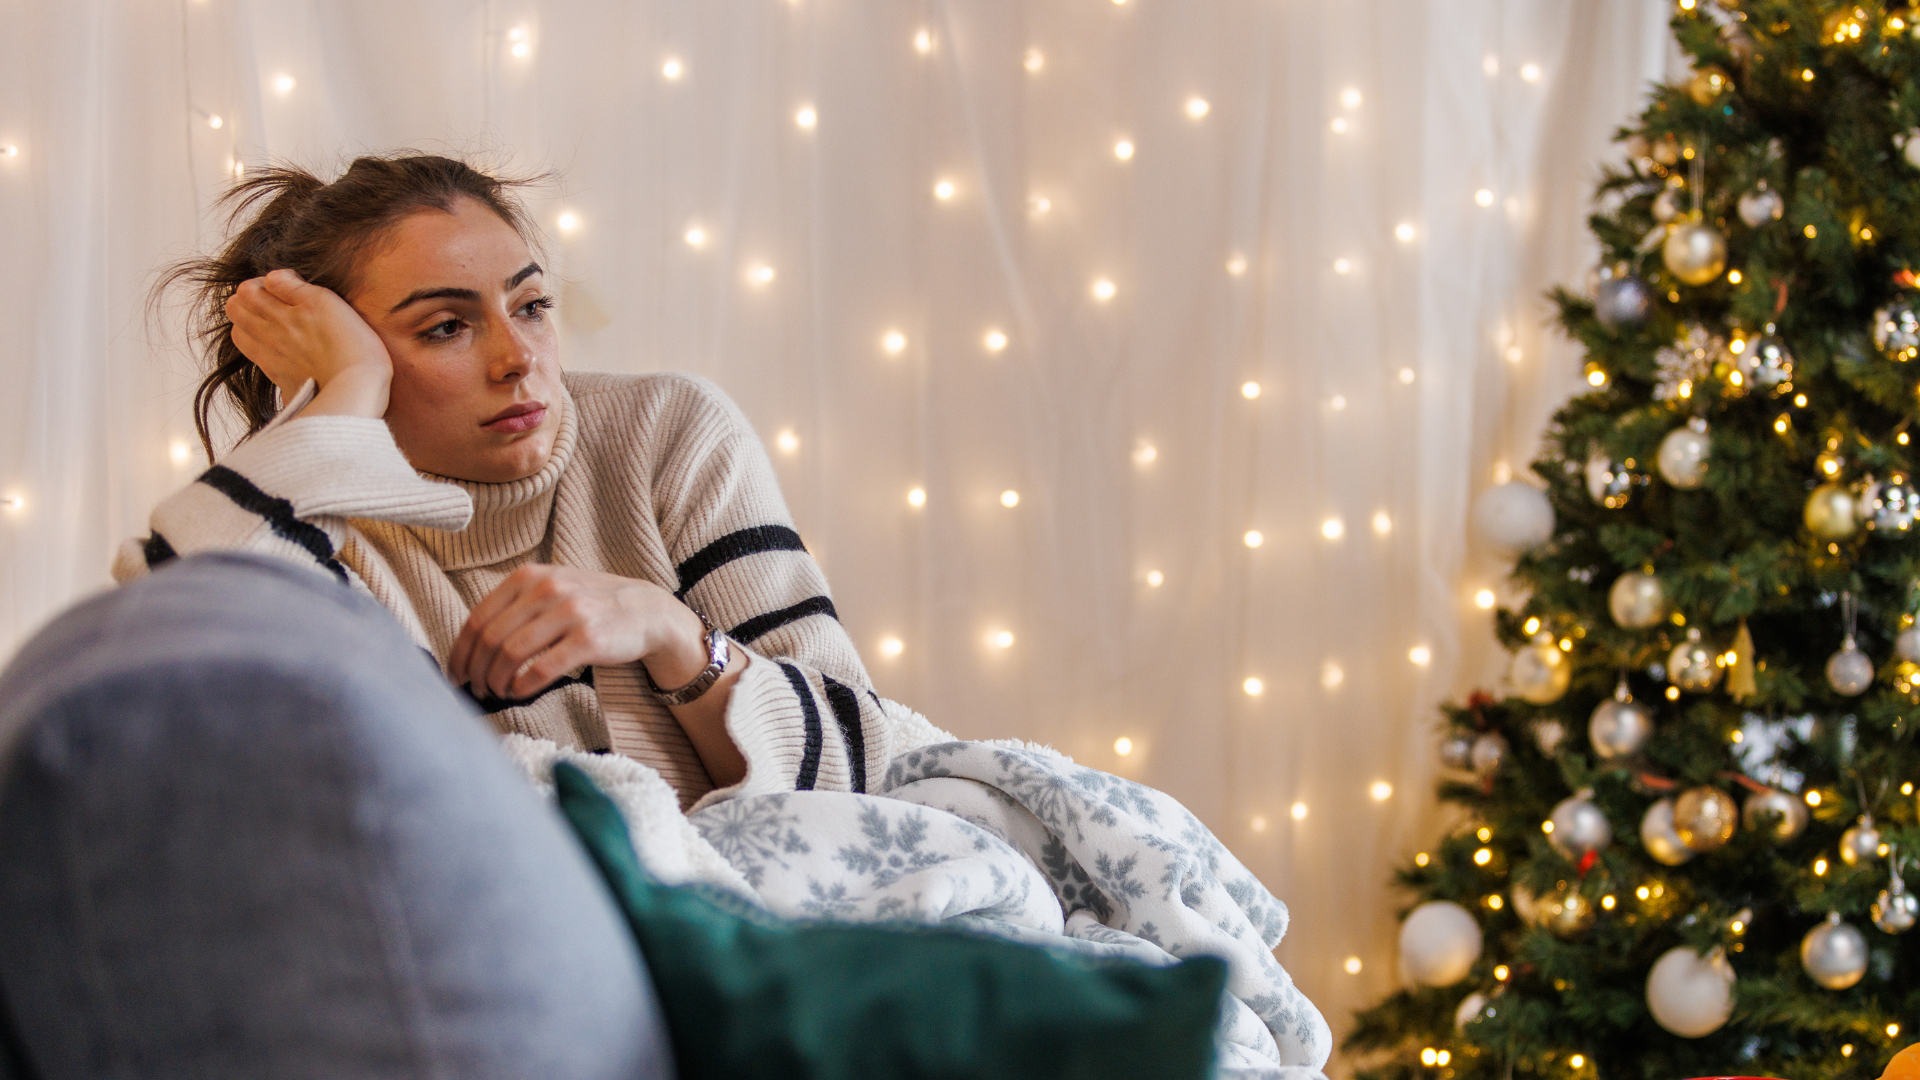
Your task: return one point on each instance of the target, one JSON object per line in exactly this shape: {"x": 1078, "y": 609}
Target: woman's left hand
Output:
{"x": 544, "y": 621}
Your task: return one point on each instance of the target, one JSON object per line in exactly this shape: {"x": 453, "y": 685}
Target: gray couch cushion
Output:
{"x": 247, "y": 830}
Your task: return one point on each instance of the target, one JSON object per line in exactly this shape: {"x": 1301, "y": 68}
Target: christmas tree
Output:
{"x": 1688, "y": 816}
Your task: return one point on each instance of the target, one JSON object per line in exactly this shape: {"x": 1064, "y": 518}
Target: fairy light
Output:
{"x": 943, "y": 190}
{"x": 1333, "y": 528}
{"x": 1810, "y": 232}
{"x": 994, "y": 340}
{"x": 671, "y": 69}
{"x": 1123, "y": 746}
{"x": 1299, "y": 811}
{"x": 1253, "y": 687}
{"x": 1350, "y": 98}
{"x": 893, "y": 342}
{"x": 1403, "y": 232}
{"x": 1734, "y": 278}
{"x": 1483, "y": 599}
{"x": 215, "y": 121}
{"x": 1198, "y": 107}
{"x": 760, "y": 274}
{"x": 1483, "y": 856}
{"x": 568, "y": 221}
{"x": 12, "y": 502}
{"x": 1813, "y": 798}
{"x": 1249, "y": 390}
{"x": 1001, "y": 639}
{"x": 1420, "y": 655}
{"x": 1103, "y": 290}
{"x": 917, "y": 497}
{"x": 1485, "y": 834}
{"x": 1258, "y": 823}
{"x": 1381, "y": 791}
{"x": 9, "y": 150}
{"x": 1382, "y": 523}
{"x": 696, "y": 236}
{"x": 1500, "y": 972}
{"x": 1530, "y": 72}
{"x": 1429, "y": 1056}
{"x": 1422, "y": 858}
{"x": 1906, "y": 788}
{"x": 521, "y": 50}
{"x": 178, "y": 452}
{"x": 1406, "y": 376}
{"x": 1035, "y": 61}
{"x": 1547, "y": 827}
{"x": 1144, "y": 453}
{"x": 1331, "y": 675}
{"x": 1514, "y": 354}
{"x": 923, "y": 42}
{"x": 1819, "y": 868}
{"x": 1484, "y": 197}
{"x": 1155, "y": 579}
{"x": 806, "y": 118}
{"x": 1352, "y": 965}
{"x": 1893, "y": 1030}
{"x": 1846, "y": 1050}
{"x": 1673, "y": 693}
{"x": 1338, "y": 124}
{"x": 1806, "y": 74}
{"x": 1494, "y": 901}
{"x": 1123, "y": 149}
{"x": 787, "y": 441}
{"x": 891, "y": 647}
{"x": 1236, "y": 264}
{"x": 1577, "y": 1061}
{"x": 1253, "y": 538}
{"x": 1607, "y": 902}
{"x": 283, "y": 83}
{"x": 1342, "y": 266}
{"x": 1038, "y": 205}
{"x": 1009, "y": 498}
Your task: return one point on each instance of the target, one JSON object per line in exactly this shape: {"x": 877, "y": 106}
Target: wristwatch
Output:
{"x": 717, "y": 654}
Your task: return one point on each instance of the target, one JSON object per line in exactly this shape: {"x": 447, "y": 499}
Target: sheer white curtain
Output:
{"x": 905, "y": 237}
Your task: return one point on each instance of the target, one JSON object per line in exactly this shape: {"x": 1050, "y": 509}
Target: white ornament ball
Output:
{"x": 1548, "y": 734}
{"x": 1619, "y": 728}
{"x": 1761, "y": 205}
{"x": 1861, "y": 843}
{"x": 1488, "y": 752}
{"x": 1657, "y": 835}
{"x": 1513, "y": 517}
{"x": 1683, "y": 455}
{"x": 1907, "y": 645}
{"x": 1525, "y": 904}
{"x": 1834, "y": 954}
{"x": 1469, "y": 1010}
{"x": 1456, "y": 751}
{"x": 1910, "y": 147}
{"x": 1689, "y": 994}
{"x": 1439, "y": 942}
{"x": 1778, "y": 814}
{"x": 1579, "y": 826}
{"x": 1849, "y": 671}
{"x": 1637, "y": 600}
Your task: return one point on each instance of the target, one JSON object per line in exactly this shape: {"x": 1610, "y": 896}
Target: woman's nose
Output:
{"x": 514, "y": 358}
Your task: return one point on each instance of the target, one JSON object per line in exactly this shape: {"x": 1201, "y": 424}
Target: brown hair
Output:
{"x": 319, "y": 231}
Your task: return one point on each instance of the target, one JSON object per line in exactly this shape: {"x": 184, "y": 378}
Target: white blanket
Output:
{"x": 1010, "y": 838}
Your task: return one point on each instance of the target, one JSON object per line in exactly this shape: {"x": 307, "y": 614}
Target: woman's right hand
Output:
{"x": 295, "y": 331}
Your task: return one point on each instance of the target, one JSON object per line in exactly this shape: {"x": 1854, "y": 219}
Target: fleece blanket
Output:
{"x": 1009, "y": 838}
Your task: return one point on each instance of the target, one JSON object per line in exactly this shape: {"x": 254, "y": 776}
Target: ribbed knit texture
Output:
{"x": 656, "y": 477}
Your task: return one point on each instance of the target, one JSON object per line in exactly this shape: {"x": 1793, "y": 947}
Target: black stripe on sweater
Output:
{"x": 846, "y": 712}
{"x": 735, "y": 545}
{"x": 156, "y": 550}
{"x": 278, "y": 514}
{"x": 490, "y": 704}
{"x": 810, "y": 756}
{"x": 761, "y": 625}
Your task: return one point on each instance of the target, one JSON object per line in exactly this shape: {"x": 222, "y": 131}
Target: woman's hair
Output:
{"x": 319, "y": 231}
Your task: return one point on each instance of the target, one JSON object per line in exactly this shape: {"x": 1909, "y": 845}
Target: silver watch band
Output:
{"x": 717, "y": 657}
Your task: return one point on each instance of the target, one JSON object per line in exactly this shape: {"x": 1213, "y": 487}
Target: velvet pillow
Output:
{"x": 749, "y": 995}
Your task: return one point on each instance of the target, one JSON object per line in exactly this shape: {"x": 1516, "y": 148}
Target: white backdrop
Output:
{"x": 1253, "y": 235}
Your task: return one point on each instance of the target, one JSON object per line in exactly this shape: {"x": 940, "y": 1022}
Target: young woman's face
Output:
{"x": 464, "y": 312}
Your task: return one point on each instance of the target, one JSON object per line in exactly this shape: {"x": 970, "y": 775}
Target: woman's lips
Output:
{"x": 522, "y": 417}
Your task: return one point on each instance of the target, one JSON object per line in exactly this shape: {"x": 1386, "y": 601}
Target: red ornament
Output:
{"x": 1587, "y": 861}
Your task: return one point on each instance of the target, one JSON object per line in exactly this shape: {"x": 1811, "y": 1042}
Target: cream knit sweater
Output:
{"x": 657, "y": 477}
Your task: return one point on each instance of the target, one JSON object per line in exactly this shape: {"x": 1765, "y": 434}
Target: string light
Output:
{"x": 1500, "y": 972}
{"x": 1001, "y": 639}
{"x": 943, "y": 190}
{"x": 1035, "y": 60}
{"x": 178, "y": 452}
{"x": 1253, "y": 539}
{"x": 13, "y": 502}
{"x": 1155, "y": 579}
{"x": 520, "y": 50}
{"x": 283, "y": 83}
{"x": 1253, "y": 687}
{"x": 9, "y": 150}
{"x": 1009, "y": 498}
{"x": 1249, "y": 390}
{"x": 215, "y": 122}
{"x": 672, "y": 68}
{"x": 893, "y": 342}
{"x": 1607, "y": 902}
{"x": 1893, "y": 1030}
{"x": 1810, "y": 232}
{"x": 806, "y": 117}
{"x": 995, "y": 341}
{"x": 1236, "y": 264}
{"x": 1420, "y": 655}
{"x": 1494, "y": 901}
{"x": 1484, "y": 197}
{"x": 1103, "y": 290}
{"x": 1483, "y": 599}
{"x": 1333, "y": 528}
{"x": 1259, "y": 823}
{"x": 1813, "y": 798}
{"x": 1123, "y": 746}
{"x": 1483, "y": 856}
{"x": 1819, "y": 868}
{"x": 1577, "y": 1061}
{"x": 1339, "y": 125}
{"x": 1846, "y": 1050}
{"x": 1422, "y": 858}
{"x": 1197, "y": 107}
{"x": 923, "y": 42}
{"x": 1381, "y": 791}
{"x": 567, "y": 221}
{"x": 1406, "y": 376}
{"x": 1350, "y": 98}
{"x": 1382, "y": 523}
{"x": 1338, "y": 403}
{"x": 787, "y": 441}
{"x": 1530, "y": 72}
{"x": 892, "y": 646}
{"x": 1144, "y": 453}
{"x": 1733, "y": 278}
{"x": 917, "y": 497}
{"x": 1299, "y": 811}
{"x": 1331, "y": 675}
{"x": 1490, "y": 65}
{"x": 1341, "y": 266}
{"x": 1123, "y": 150}
{"x": 696, "y": 236}
{"x": 760, "y": 274}
{"x": 1038, "y": 205}
{"x": 1352, "y": 965}
{"x": 1403, "y": 232}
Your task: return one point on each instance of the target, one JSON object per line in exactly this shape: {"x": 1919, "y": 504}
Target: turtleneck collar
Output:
{"x": 509, "y": 519}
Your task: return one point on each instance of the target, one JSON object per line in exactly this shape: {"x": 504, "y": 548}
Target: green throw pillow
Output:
{"x": 748, "y": 995}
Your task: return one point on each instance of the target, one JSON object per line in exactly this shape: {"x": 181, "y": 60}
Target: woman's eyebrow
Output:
{"x": 418, "y": 295}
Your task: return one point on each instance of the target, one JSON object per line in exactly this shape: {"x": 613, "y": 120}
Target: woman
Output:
{"x": 600, "y": 560}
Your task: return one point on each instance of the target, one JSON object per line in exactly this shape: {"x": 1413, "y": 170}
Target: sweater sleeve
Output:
{"x": 289, "y": 490}
{"x": 804, "y": 715}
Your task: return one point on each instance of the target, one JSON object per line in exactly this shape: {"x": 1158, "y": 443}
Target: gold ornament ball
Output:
{"x": 1637, "y": 600}
{"x": 1657, "y": 835}
{"x": 1565, "y": 912}
{"x": 1830, "y": 512}
{"x": 1540, "y": 672}
{"x": 1692, "y": 666}
{"x": 1695, "y": 252}
{"x": 1704, "y": 818}
{"x": 1708, "y": 84}
{"x": 1860, "y": 843}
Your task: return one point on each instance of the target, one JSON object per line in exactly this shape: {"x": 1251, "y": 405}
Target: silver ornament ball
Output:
{"x": 1769, "y": 361}
{"x": 1683, "y": 455}
{"x": 1488, "y": 752}
{"x": 1830, "y": 513}
{"x": 1540, "y": 672}
{"x": 1548, "y": 734}
{"x": 1456, "y": 751}
{"x": 1896, "y": 330}
{"x": 1696, "y": 253}
{"x": 1834, "y": 954}
{"x": 1692, "y": 665}
{"x": 1619, "y": 727}
{"x": 1761, "y": 205}
{"x": 1637, "y": 600}
{"x": 1666, "y": 205}
{"x": 1704, "y": 818}
{"x": 1779, "y": 815}
{"x": 1890, "y": 506}
{"x": 1439, "y": 941}
{"x": 1622, "y": 301}
{"x": 1513, "y": 517}
{"x": 1861, "y": 843}
{"x": 1611, "y": 486}
{"x": 1657, "y": 835}
{"x": 1689, "y": 994}
{"x": 1849, "y": 671}
{"x": 1895, "y": 910}
{"x": 1907, "y": 645}
{"x": 1579, "y": 826}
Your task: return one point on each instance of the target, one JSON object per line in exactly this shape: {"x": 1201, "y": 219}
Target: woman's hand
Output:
{"x": 544, "y": 621}
{"x": 295, "y": 331}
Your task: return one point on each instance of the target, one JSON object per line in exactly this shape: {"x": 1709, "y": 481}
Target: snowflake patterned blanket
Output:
{"x": 1008, "y": 838}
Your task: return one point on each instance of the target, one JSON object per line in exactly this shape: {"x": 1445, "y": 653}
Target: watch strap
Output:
{"x": 718, "y": 654}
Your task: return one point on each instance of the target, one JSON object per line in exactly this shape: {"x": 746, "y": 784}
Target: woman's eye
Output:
{"x": 442, "y": 331}
{"x": 537, "y": 307}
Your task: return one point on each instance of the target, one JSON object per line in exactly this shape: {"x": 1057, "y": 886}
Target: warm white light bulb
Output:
{"x": 1249, "y": 390}
{"x": 567, "y": 221}
{"x": 1337, "y": 403}
{"x": 1002, "y": 639}
{"x": 1236, "y": 264}
{"x": 1258, "y": 823}
{"x": 1403, "y": 232}
{"x": 1530, "y": 72}
{"x": 13, "y": 502}
{"x": 1155, "y": 579}
{"x": 923, "y": 42}
{"x": 1038, "y": 205}
{"x": 943, "y": 190}
{"x": 672, "y": 68}
{"x": 917, "y": 497}
{"x": 284, "y": 84}
{"x": 9, "y": 150}
{"x": 1350, "y": 98}
{"x": 1339, "y": 125}
{"x": 1381, "y": 791}
{"x": 1382, "y": 522}
{"x": 1198, "y": 107}
{"x": 1009, "y": 498}
{"x": 1123, "y": 746}
{"x": 1035, "y": 60}
{"x": 760, "y": 274}
{"x": 1483, "y": 599}
{"x": 994, "y": 340}
{"x": 1103, "y": 290}
{"x": 806, "y": 117}
{"x": 1253, "y": 687}
{"x": 696, "y": 236}
{"x": 1514, "y": 354}
{"x": 178, "y": 452}
{"x": 787, "y": 441}
{"x": 1299, "y": 811}
{"x": 215, "y": 122}
{"x": 1342, "y": 266}
{"x": 1491, "y": 65}
{"x": 1406, "y": 375}
{"x": 891, "y": 646}
{"x": 1123, "y": 150}
{"x": 521, "y": 49}
{"x": 1420, "y": 655}
{"x": 1352, "y": 965}
{"x": 1484, "y": 197}
{"x": 1253, "y": 538}
{"x": 1144, "y": 453}
{"x": 1331, "y": 675}
{"x": 894, "y": 342}
{"x": 1333, "y": 528}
